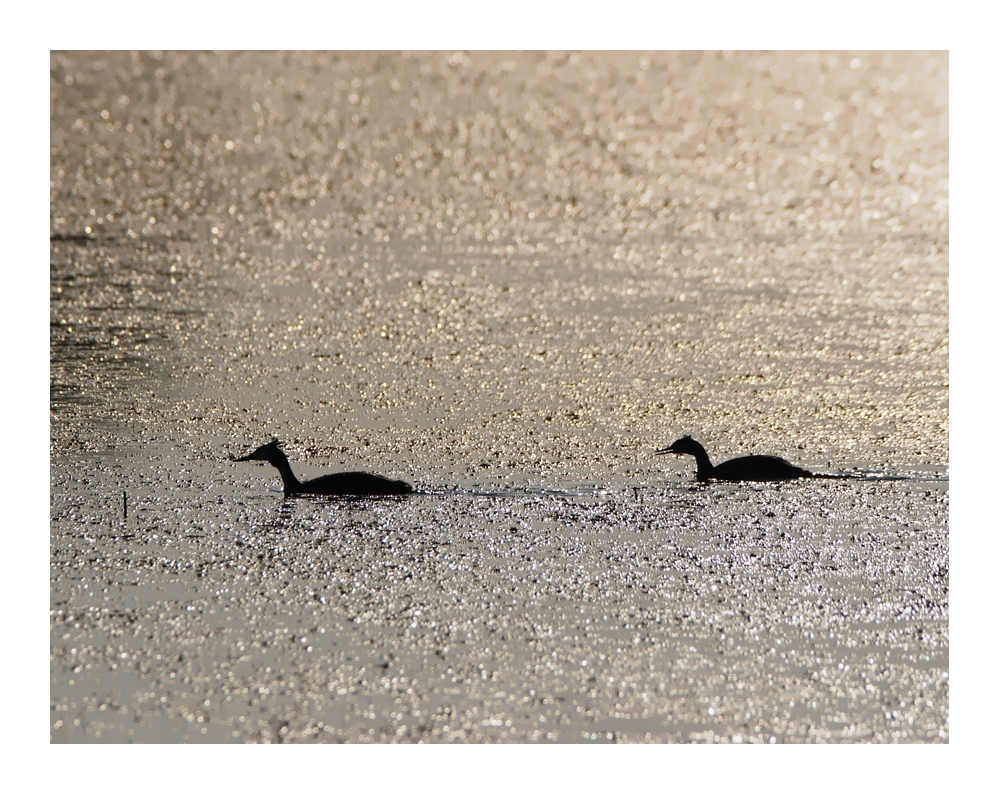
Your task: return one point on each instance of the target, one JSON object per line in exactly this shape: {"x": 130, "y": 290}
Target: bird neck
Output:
{"x": 704, "y": 467}
{"x": 280, "y": 462}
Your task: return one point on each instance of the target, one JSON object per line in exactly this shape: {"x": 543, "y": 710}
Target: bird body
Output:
{"x": 348, "y": 483}
{"x": 752, "y": 468}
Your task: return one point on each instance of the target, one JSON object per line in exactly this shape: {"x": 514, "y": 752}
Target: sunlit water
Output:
{"x": 506, "y": 279}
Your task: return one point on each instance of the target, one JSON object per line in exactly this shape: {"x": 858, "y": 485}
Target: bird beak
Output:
{"x": 240, "y": 459}
{"x": 664, "y": 451}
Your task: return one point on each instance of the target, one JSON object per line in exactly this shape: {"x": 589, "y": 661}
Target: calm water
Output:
{"x": 506, "y": 278}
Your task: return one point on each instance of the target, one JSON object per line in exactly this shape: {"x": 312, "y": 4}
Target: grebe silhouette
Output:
{"x": 348, "y": 483}
{"x": 752, "y": 468}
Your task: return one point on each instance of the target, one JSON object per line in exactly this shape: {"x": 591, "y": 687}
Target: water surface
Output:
{"x": 506, "y": 278}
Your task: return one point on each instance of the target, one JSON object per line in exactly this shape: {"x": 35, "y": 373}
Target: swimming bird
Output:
{"x": 347, "y": 483}
{"x": 752, "y": 468}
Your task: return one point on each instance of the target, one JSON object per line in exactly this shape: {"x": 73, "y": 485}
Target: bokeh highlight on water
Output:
{"x": 506, "y": 278}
